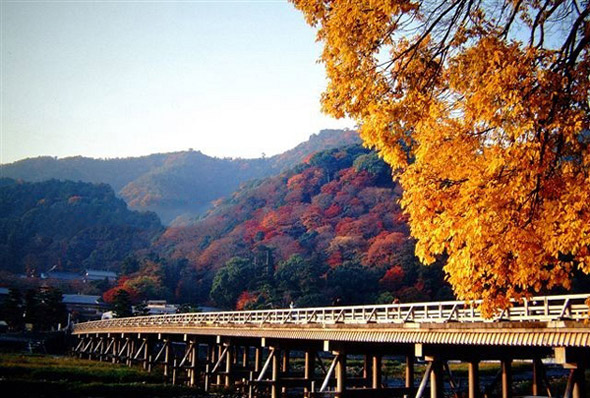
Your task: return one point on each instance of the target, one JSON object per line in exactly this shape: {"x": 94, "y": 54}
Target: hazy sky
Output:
{"x": 128, "y": 78}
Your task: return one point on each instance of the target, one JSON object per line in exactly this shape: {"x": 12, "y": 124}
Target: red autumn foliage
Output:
{"x": 393, "y": 278}
{"x": 245, "y": 299}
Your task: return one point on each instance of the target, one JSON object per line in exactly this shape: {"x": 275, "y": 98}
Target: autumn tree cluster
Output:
{"x": 482, "y": 110}
{"x": 329, "y": 228}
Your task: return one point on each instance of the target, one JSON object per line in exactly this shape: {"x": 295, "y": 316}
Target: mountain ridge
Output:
{"x": 176, "y": 184}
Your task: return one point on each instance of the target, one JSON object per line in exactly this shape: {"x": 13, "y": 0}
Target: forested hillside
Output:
{"x": 330, "y": 229}
{"x": 70, "y": 225}
{"x": 173, "y": 184}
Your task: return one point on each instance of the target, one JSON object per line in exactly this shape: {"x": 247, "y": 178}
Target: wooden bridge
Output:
{"x": 305, "y": 351}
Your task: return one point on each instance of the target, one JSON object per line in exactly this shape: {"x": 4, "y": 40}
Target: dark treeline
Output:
{"x": 43, "y": 309}
{"x": 69, "y": 225}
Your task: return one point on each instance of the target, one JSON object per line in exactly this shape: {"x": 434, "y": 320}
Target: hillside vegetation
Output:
{"x": 179, "y": 184}
{"x": 70, "y": 225}
{"x": 329, "y": 229}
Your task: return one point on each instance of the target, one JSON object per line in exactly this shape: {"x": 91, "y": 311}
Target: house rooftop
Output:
{"x": 97, "y": 272}
{"x": 80, "y": 299}
{"x": 64, "y": 276}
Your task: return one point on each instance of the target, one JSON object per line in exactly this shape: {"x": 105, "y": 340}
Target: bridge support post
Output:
{"x": 174, "y": 372}
{"x": 146, "y": 352}
{"x": 104, "y": 352}
{"x": 285, "y": 367}
{"x": 87, "y": 347}
{"x": 100, "y": 348}
{"x": 376, "y": 371}
{"x": 245, "y": 355}
{"x": 257, "y": 359}
{"x": 506, "y": 378}
{"x": 210, "y": 360}
{"x": 193, "y": 362}
{"x": 229, "y": 362}
{"x": 340, "y": 374}
{"x": 219, "y": 349}
{"x": 436, "y": 380}
{"x": 579, "y": 390}
{"x": 409, "y": 371}
{"x": 130, "y": 351}
{"x": 275, "y": 388}
{"x": 124, "y": 353}
{"x": 473, "y": 375}
{"x": 367, "y": 369}
{"x": 308, "y": 369}
{"x": 537, "y": 370}
{"x": 166, "y": 358}
{"x": 115, "y": 349}
{"x": 78, "y": 348}
{"x": 285, "y": 362}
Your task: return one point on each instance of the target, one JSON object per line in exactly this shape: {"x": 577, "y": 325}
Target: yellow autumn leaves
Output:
{"x": 488, "y": 134}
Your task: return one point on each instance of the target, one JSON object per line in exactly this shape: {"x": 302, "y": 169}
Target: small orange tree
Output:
{"x": 482, "y": 110}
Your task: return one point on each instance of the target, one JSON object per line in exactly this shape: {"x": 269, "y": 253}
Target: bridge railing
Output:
{"x": 536, "y": 309}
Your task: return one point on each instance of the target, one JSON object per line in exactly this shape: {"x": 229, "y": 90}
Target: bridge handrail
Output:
{"x": 535, "y": 309}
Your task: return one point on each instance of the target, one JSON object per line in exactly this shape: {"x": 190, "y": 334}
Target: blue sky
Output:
{"x": 128, "y": 78}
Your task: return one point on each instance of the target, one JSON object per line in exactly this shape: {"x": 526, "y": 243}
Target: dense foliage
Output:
{"x": 68, "y": 226}
{"x": 482, "y": 109}
{"x": 329, "y": 228}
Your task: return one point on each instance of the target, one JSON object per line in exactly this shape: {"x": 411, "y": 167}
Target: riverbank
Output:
{"x": 45, "y": 376}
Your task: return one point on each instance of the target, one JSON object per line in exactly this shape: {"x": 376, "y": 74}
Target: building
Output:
{"x": 61, "y": 276}
{"x": 86, "y": 307}
{"x": 160, "y": 307}
{"x": 99, "y": 275}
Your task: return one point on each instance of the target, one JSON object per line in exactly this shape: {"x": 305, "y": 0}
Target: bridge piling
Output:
{"x": 284, "y": 367}
{"x": 166, "y": 357}
{"x": 174, "y": 367}
{"x": 275, "y": 387}
{"x": 409, "y": 371}
{"x": 506, "y": 365}
{"x": 257, "y": 359}
{"x": 340, "y": 374}
{"x": 376, "y": 376}
{"x": 436, "y": 379}
{"x": 308, "y": 369}
{"x": 579, "y": 388}
{"x": 473, "y": 378}
{"x": 229, "y": 363}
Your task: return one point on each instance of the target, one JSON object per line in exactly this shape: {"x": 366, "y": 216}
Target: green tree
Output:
{"x": 353, "y": 284}
{"x": 12, "y": 310}
{"x": 237, "y": 276}
{"x": 44, "y": 308}
{"x": 375, "y": 166}
{"x": 52, "y": 311}
{"x": 129, "y": 265}
{"x": 31, "y": 312}
{"x": 300, "y": 280}
{"x": 122, "y": 304}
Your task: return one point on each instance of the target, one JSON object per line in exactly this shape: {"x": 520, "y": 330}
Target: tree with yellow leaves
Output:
{"x": 482, "y": 110}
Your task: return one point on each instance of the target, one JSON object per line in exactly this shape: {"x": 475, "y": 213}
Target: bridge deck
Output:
{"x": 541, "y": 321}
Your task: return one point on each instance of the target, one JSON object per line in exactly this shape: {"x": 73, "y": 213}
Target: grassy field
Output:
{"x": 43, "y": 376}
